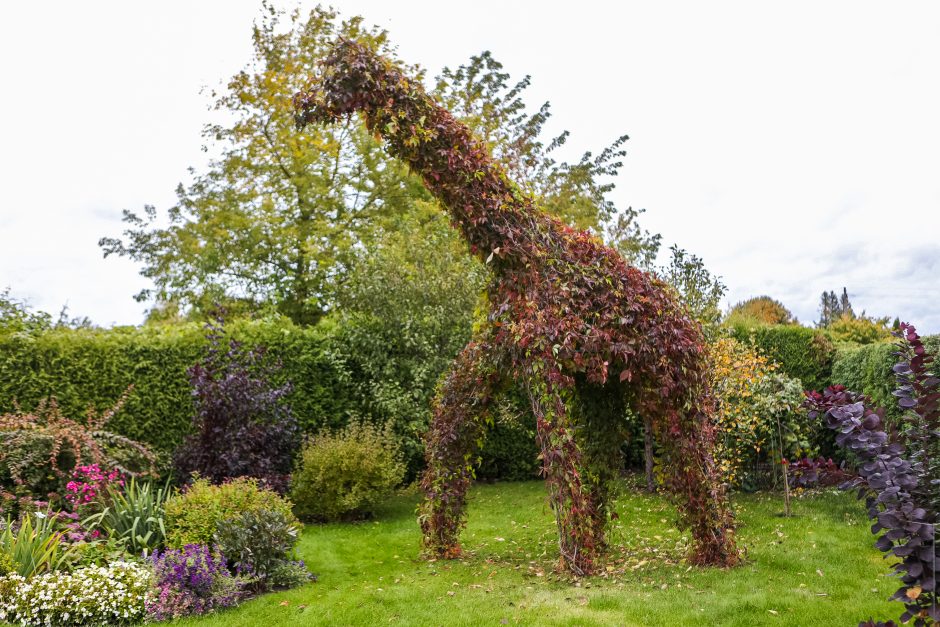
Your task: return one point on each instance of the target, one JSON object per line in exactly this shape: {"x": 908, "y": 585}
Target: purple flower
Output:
{"x": 191, "y": 580}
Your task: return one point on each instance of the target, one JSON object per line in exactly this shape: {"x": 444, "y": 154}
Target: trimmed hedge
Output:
{"x": 868, "y": 369}
{"x": 93, "y": 367}
{"x": 803, "y": 353}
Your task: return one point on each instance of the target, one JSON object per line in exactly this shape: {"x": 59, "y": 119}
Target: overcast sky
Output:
{"x": 795, "y": 146}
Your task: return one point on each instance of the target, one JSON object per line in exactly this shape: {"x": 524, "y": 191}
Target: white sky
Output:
{"x": 795, "y": 146}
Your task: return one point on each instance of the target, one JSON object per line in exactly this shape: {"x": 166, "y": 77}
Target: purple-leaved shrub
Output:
{"x": 243, "y": 425}
{"x": 895, "y": 477}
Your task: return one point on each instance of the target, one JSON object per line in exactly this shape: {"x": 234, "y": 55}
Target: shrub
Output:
{"x": 243, "y": 425}
{"x": 89, "y": 488}
{"x": 899, "y": 479}
{"x": 260, "y": 545}
{"x": 135, "y": 516}
{"x": 291, "y": 574}
{"x": 344, "y": 474}
{"x": 761, "y": 310}
{"x": 39, "y": 449}
{"x": 193, "y": 516}
{"x": 859, "y": 329}
{"x": 758, "y": 413}
{"x": 191, "y": 580}
{"x": 35, "y": 547}
{"x": 95, "y": 595}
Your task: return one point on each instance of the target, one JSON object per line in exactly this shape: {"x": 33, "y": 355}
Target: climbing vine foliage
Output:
{"x": 584, "y": 334}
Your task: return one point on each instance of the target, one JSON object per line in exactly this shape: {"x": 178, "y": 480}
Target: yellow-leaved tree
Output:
{"x": 759, "y": 416}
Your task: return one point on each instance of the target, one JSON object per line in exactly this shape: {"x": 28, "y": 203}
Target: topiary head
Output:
{"x": 353, "y": 77}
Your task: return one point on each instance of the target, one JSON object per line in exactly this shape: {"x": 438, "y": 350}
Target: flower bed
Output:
{"x": 115, "y": 594}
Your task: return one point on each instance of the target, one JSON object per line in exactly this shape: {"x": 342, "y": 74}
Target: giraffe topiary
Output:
{"x": 585, "y": 335}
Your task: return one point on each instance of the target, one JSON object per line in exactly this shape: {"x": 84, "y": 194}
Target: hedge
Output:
{"x": 803, "y": 353}
{"x": 86, "y": 367}
{"x": 868, "y": 369}
{"x": 93, "y": 367}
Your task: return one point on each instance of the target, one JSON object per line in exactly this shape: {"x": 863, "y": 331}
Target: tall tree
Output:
{"x": 829, "y": 309}
{"x": 281, "y": 216}
{"x": 276, "y": 216}
{"x": 763, "y": 309}
{"x": 484, "y": 97}
{"x": 845, "y": 305}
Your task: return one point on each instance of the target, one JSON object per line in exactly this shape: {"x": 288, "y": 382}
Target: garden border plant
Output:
{"x": 243, "y": 425}
{"x": 895, "y": 476}
{"x": 584, "y": 334}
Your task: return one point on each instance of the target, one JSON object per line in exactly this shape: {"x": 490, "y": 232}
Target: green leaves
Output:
{"x": 135, "y": 516}
{"x": 37, "y": 546}
{"x": 275, "y": 218}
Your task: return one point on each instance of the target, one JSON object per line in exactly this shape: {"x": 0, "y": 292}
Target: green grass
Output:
{"x": 816, "y": 568}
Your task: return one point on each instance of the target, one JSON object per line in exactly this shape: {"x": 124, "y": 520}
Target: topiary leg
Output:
{"x": 688, "y": 440}
{"x": 579, "y": 540}
{"x": 453, "y": 439}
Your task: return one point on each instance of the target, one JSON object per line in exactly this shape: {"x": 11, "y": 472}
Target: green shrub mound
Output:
{"x": 193, "y": 516}
{"x": 260, "y": 546}
{"x": 343, "y": 474}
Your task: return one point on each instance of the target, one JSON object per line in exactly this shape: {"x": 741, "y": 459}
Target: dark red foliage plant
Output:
{"x": 243, "y": 425}
{"x": 895, "y": 477}
{"x": 816, "y": 473}
{"x": 584, "y": 334}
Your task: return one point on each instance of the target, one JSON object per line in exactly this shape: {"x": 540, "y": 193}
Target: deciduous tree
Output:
{"x": 280, "y": 215}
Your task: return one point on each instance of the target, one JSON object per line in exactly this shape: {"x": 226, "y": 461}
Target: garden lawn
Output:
{"x": 816, "y": 568}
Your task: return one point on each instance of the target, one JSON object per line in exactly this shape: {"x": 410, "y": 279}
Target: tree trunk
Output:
{"x": 648, "y": 454}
